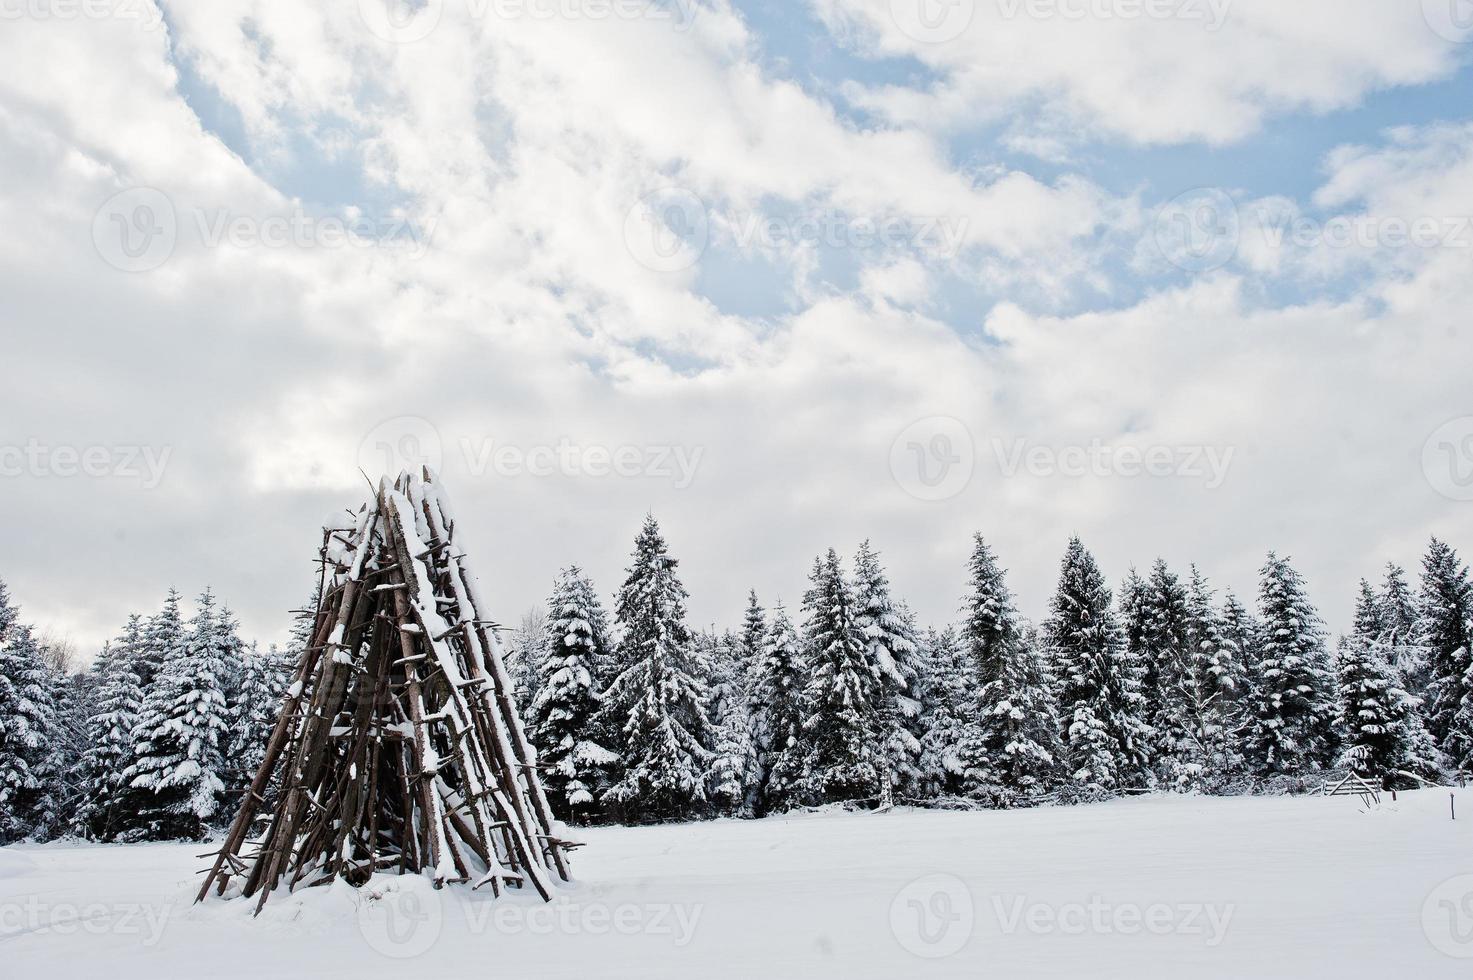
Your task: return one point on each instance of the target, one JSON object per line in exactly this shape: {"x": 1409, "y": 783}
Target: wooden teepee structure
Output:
{"x": 399, "y": 747}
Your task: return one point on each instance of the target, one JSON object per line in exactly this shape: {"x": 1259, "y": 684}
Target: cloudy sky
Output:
{"x": 1189, "y": 278}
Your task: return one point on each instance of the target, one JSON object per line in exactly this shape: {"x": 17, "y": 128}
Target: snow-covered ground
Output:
{"x": 1155, "y": 887}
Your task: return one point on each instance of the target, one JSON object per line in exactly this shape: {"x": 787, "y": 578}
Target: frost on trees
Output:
{"x": 399, "y": 742}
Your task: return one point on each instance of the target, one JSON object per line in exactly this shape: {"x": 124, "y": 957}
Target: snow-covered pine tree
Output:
{"x": 1446, "y": 618}
{"x": 782, "y": 676}
{"x": 1216, "y": 692}
{"x": 73, "y": 696}
{"x": 1164, "y": 651}
{"x": 181, "y": 732}
{"x": 1106, "y": 739}
{"x": 890, "y": 636}
{"x": 735, "y": 775}
{"x": 1369, "y": 624}
{"x": 562, "y": 720}
{"x": 525, "y": 647}
{"x": 28, "y": 730}
{"x": 1401, "y": 632}
{"x": 842, "y": 727}
{"x": 952, "y": 760}
{"x": 162, "y": 633}
{"x": 1010, "y": 745}
{"x": 659, "y": 700}
{"x": 8, "y": 613}
{"x": 260, "y": 686}
{"x": 1380, "y": 723}
{"x": 110, "y": 728}
{"x": 754, "y": 631}
{"x": 1293, "y": 727}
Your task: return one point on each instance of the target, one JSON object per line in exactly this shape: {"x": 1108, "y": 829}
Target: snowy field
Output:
{"x": 1156, "y": 887}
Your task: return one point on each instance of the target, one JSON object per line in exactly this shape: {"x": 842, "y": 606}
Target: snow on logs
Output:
{"x": 399, "y": 747}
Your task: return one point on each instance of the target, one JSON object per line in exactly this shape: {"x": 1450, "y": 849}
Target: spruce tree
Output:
{"x": 523, "y": 654}
{"x": 110, "y": 727}
{"x": 953, "y": 762}
{"x": 754, "y": 630}
{"x": 659, "y": 700}
{"x": 890, "y": 636}
{"x": 573, "y": 672}
{"x": 782, "y": 677}
{"x": 1168, "y": 689}
{"x": 1446, "y": 611}
{"x": 1215, "y": 689}
{"x": 1381, "y": 726}
{"x": 163, "y": 633}
{"x": 181, "y": 732}
{"x": 28, "y": 731}
{"x": 735, "y": 776}
{"x": 1106, "y": 739}
{"x": 842, "y": 727}
{"x": 1013, "y": 745}
{"x": 1402, "y": 634}
{"x": 1293, "y": 726}
{"x": 257, "y": 701}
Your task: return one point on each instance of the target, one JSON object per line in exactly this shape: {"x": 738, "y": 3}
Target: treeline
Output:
{"x": 638, "y": 717}
{"x": 1165, "y": 687}
{"x": 156, "y": 741}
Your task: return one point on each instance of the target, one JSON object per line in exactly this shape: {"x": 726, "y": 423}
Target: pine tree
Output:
{"x": 659, "y": 698}
{"x": 953, "y": 762}
{"x": 1379, "y": 721}
{"x": 842, "y": 726}
{"x": 573, "y": 672}
{"x": 181, "y": 732}
{"x": 1402, "y": 633}
{"x": 8, "y": 613}
{"x": 1293, "y": 727}
{"x": 754, "y": 630}
{"x": 110, "y": 727}
{"x": 525, "y": 648}
{"x": 1106, "y": 740}
{"x": 735, "y": 776}
{"x": 1215, "y": 691}
{"x": 1016, "y": 750}
{"x": 1369, "y": 623}
{"x": 73, "y": 697}
{"x": 1168, "y": 690}
{"x": 1446, "y": 611}
{"x": 778, "y": 701}
{"x": 28, "y": 731}
{"x": 162, "y": 633}
{"x": 890, "y": 636}
{"x": 262, "y": 683}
